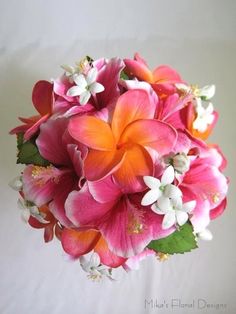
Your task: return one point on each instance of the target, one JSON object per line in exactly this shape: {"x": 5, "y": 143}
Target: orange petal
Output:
{"x": 164, "y": 73}
{"x": 132, "y": 105}
{"x": 106, "y": 256}
{"x": 138, "y": 69}
{"x": 151, "y": 133}
{"x": 99, "y": 164}
{"x": 136, "y": 164}
{"x": 77, "y": 243}
{"x": 92, "y": 132}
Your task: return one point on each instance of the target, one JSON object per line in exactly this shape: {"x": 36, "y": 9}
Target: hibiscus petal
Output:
{"x": 104, "y": 190}
{"x": 82, "y": 209}
{"x": 131, "y": 106}
{"x": 36, "y": 190}
{"x": 136, "y": 164}
{"x": 129, "y": 227}
{"x": 92, "y": 132}
{"x": 77, "y": 243}
{"x": 106, "y": 256}
{"x": 42, "y": 97}
{"x": 150, "y": 133}
{"x": 50, "y": 141}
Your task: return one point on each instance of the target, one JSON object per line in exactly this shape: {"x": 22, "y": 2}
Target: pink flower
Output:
{"x": 125, "y": 224}
{"x": 162, "y": 79}
{"x": 43, "y": 99}
{"x": 52, "y": 184}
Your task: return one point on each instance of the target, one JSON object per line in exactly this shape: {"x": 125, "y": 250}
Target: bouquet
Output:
{"x": 117, "y": 166}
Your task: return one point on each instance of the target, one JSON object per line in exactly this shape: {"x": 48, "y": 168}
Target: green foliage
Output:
{"x": 181, "y": 241}
{"x": 28, "y": 152}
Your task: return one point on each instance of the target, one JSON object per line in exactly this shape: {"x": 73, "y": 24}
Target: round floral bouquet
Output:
{"x": 117, "y": 165}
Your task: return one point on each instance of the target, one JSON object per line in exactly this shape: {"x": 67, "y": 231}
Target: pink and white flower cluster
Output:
{"x": 122, "y": 160}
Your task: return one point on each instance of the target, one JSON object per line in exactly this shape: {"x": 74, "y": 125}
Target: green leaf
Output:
{"x": 28, "y": 152}
{"x": 123, "y": 75}
{"x": 181, "y": 241}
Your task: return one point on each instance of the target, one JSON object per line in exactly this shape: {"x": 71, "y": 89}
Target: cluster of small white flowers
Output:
{"x": 166, "y": 199}
{"x": 205, "y": 115}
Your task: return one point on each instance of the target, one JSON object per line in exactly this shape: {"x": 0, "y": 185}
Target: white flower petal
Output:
{"x": 169, "y": 220}
{"x": 208, "y": 92}
{"x": 168, "y": 176}
{"x": 16, "y": 184}
{"x": 94, "y": 260}
{"x": 183, "y": 87}
{"x": 151, "y": 182}
{"x": 96, "y": 88}
{"x": 80, "y": 81}
{"x": 164, "y": 204}
{"x": 172, "y": 191}
{"x": 68, "y": 68}
{"x": 181, "y": 217}
{"x": 25, "y": 215}
{"x": 210, "y": 108}
{"x": 205, "y": 235}
{"x": 84, "y": 97}
{"x": 150, "y": 197}
{"x": 91, "y": 76}
{"x": 157, "y": 210}
{"x": 188, "y": 207}
{"x": 74, "y": 91}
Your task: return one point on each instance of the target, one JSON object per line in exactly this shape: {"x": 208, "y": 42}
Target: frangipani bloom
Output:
{"x": 86, "y": 86}
{"x": 43, "y": 99}
{"x": 121, "y": 147}
{"x": 162, "y": 79}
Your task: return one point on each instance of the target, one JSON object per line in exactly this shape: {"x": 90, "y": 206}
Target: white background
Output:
{"x": 195, "y": 37}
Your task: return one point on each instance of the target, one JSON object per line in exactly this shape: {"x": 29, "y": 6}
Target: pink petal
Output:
{"x": 150, "y": 133}
{"x": 106, "y": 256}
{"x": 109, "y": 76}
{"x": 61, "y": 86}
{"x": 82, "y": 209}
{"x": 138, "y": 69}
{"x": 164, "y": 73}
{"x": 104, "y": 190}
{"x": 35, "y": 189}
{"x": 129, "y": 227}
{"x": 131, "y": 106}
{"x": 42, "y": 97}
{"x": 50, "y": 141}
{"x": 34, "y": 129}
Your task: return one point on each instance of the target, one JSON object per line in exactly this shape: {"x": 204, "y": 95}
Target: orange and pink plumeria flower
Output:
{"x": 117, "y": 164}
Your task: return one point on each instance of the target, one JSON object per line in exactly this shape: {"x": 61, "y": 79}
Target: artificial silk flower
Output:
{"x": 204, "y": 118}
{"x": 163, "y": 188}
{"x": 205, "y": 235}
{"x": 116, "y": 163}
{"x": 174, "y": 211}
{"x": 92, "y": 265}
{"x": 86, "y": 86}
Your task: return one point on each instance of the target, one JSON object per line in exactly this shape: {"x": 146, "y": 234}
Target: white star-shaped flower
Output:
{"x": 204, "y": 118}
{"x": 161, "y": 188}
{"x": 93, "y": 267}
{"x": 174, "y": 211}
{"x": 86, "y": 86}
{"x": 28, "y": 209}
